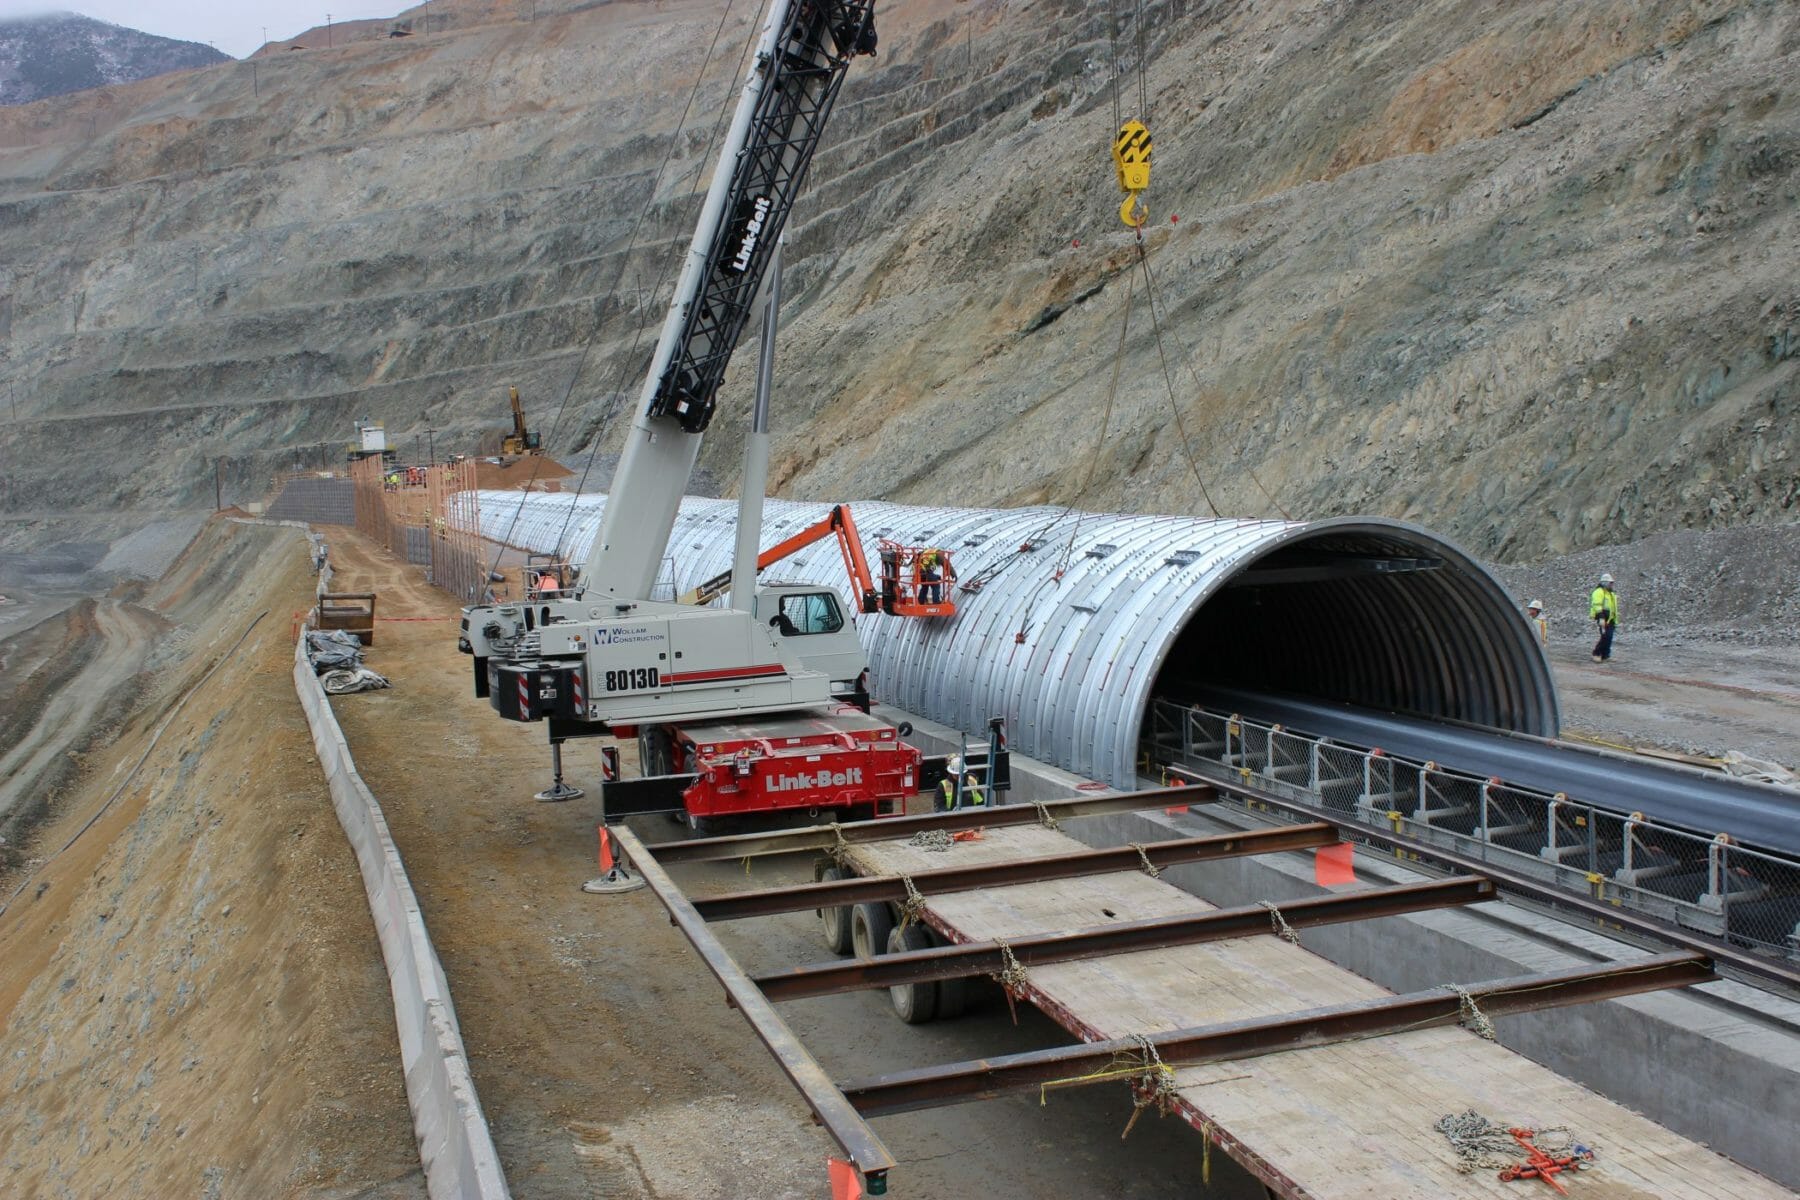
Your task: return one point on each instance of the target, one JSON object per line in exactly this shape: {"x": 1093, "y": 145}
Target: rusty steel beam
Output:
{"x": 884, "y": 829}
{"x": 982, "y": 1079}
{"x": 987, "y": 958}
{"x": 847, "y": 1127}
{"x": 832, "y": 893}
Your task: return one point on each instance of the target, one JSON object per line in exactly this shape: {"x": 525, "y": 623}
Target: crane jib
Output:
{"x": 803, "y": 77}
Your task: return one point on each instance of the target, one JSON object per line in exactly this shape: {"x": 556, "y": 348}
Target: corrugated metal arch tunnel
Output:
{"x": 1081, "y": 619}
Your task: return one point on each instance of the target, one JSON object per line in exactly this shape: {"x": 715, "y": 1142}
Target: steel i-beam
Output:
{"x": 982, "y": 1079}
{"x": 832, "y": 893}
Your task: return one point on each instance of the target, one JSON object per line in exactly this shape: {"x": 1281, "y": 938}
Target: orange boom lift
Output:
{"x": 903, "y": 570}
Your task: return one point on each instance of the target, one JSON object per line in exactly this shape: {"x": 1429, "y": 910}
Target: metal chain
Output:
{"x": 1149, "y": 867}
{"x": 1278, "y": 923}
{"x": 931, "y": 839}
{"x": 841, "y": 849}
{"x": 1472, "y": 1018}
{"x": 913, "y": 907}
{"x": 1157, "y": 1086}
{"x": 1044, "y": 818}
{"x": 1012, "y": 974}
{"x": 1481, "y": 1145}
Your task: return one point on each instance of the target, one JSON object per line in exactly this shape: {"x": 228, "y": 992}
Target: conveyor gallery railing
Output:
{"x": 1711, "y": 885}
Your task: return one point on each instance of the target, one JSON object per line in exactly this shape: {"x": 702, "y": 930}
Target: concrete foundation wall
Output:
{"x": 1719, "y": 1064}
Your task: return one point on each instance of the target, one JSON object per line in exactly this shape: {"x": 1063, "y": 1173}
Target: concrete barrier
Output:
{"x": 454, "y": 1143}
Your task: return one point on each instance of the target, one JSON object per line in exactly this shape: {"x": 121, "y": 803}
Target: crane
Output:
{"x": 687, "y": 681}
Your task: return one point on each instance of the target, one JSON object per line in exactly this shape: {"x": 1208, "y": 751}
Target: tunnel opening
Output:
{"x": 1374, "y": 616}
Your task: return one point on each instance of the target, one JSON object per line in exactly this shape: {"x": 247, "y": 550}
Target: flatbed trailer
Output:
{"x": 1317, "y": 1081}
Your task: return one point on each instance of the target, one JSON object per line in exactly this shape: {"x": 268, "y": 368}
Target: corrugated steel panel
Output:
{"x": 1067, "y": 640}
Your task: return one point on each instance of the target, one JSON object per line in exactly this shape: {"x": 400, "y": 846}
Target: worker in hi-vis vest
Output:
{"x": 972, "y": 795}
{"x": 1534, "y": 612}
{"x": 1603, "y": 609}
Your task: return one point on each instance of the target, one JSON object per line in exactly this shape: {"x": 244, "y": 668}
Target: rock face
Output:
{"x": 1528, "y": 273}
{"x": 61, "y": 53}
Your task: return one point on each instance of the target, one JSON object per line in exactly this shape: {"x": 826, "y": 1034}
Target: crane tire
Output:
{"x": 870, "y": 923}
{"x": 835, "y": 922}
{"x": 914, "y": 1003}
{"x": 953, "y": 994}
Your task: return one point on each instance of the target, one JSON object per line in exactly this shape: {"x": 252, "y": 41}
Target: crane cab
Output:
{"x": 810, "y": 624}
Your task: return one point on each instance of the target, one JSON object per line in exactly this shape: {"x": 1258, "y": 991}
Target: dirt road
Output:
{"x": 606, "y": 1060}
{"x": 76, "y": 692}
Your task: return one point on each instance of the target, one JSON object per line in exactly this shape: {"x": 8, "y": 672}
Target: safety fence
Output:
{"x": 455, "y": 1145}
{"x": 1711, "y": 885}
{"x": 429, "y": 516}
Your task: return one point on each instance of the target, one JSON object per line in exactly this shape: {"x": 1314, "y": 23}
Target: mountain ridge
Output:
{"x": 54, "y": 54}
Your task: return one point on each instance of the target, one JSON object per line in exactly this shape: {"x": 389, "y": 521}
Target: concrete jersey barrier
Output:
{"x": 455, "y": 1146}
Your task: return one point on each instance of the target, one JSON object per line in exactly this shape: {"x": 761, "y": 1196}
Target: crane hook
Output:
{"x": 1131, "y": 162}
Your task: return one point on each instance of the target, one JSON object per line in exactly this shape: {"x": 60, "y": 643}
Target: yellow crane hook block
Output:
{"x": 1131, "y": 159}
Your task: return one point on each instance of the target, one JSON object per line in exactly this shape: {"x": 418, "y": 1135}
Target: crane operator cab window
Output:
{"x": 808, "y": 613}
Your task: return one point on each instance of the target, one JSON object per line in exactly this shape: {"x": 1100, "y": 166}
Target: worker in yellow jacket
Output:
{"x": 1603, "y": 609}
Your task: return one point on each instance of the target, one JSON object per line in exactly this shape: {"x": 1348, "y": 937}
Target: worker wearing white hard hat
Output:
{"x": 972, "y": 796}
{"x": 1535, "y": 613}
{"x": 1603, "y": 610}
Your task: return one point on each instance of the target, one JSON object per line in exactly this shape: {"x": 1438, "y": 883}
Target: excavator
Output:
{"x": 520, "y": 441}
{"x": 737, "y": 709}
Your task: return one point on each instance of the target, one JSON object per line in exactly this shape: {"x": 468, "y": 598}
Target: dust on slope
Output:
{"x": 195, "y": 1001}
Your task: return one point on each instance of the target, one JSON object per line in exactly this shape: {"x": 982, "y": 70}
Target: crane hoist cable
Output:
{"x": 1188, "y": 359}
{"x": 1131, "y": 145}
{"x": 1169, "y": 380}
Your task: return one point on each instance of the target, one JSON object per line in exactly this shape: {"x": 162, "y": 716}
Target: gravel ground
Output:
{"x": 1707, "y": 656}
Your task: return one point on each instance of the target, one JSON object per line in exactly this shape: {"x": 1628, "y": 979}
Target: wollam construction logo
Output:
{"x": 807, "y": 780}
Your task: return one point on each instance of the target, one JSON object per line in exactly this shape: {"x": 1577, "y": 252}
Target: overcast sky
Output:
{"x": 235, "y": 26}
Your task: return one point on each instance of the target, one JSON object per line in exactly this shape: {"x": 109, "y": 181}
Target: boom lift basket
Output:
{"x": 906, "y": 571}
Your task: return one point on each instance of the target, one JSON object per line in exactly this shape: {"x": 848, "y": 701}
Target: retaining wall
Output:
{"x": 454, "y": 1143}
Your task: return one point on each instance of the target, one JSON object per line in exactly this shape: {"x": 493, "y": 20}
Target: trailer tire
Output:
{"x": 870, "y": 924}
{"x": 953, "y": 994}
{"x": 914, "y": 1003}
{"x": 835, "y": 921}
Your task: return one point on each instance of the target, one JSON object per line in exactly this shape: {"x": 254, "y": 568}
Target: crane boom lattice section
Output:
{"x": 806, "y": 70}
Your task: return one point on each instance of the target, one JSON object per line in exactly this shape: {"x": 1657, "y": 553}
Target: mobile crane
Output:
{"x": 738, "y": 699}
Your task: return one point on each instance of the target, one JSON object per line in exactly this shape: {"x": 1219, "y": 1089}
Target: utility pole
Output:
{"x": 430, "y": 447}
{"x": 328, "y": 31}
{"x": 255, "y": 87}
{"x": 218, "y": 485}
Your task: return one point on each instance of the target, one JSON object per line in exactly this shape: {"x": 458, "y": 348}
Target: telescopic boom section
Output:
{"x": 800, "y": 64}
{"x": 856, "y": 564}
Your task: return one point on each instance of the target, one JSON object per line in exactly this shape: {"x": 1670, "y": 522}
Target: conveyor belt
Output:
{"x": 1755, "y": 814}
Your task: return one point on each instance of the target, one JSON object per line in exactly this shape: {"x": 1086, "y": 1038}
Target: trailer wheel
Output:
{"x": 914, "y": 1003}
{"x": 835, "y": 921}
{"x": 953, "y": 994}
{"x": 870, "y": 924}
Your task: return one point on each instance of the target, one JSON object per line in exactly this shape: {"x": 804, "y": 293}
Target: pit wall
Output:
{"x": 1718, "y": 1063}
{"x": 455, "y": 1146}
